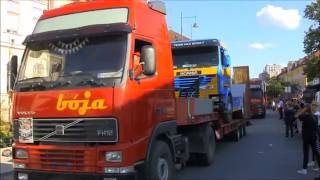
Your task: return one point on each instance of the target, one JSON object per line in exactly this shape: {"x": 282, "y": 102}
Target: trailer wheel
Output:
{"x": 207, "y": 157}
{"x": 161, "y": 166}
{"x": 236, "y": 135}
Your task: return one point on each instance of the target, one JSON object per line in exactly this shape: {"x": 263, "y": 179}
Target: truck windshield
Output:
{"x": 73, "y": 62}
{"x": 196, "y": 57}
{"x": 256, "y": 93}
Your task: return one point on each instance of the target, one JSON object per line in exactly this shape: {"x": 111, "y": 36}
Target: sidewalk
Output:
{"x": 5, "y": 162}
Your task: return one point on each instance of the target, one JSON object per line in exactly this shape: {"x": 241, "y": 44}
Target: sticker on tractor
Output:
{"x": 25, "y": 130}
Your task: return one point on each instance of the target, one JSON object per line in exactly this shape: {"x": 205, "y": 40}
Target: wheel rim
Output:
{"x": 163, "y": 169}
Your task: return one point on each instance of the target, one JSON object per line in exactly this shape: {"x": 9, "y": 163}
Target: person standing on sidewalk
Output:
{"x": 280, "y": 108}
{"x": 289, "y": 118}
{"x": 309, "y": 136}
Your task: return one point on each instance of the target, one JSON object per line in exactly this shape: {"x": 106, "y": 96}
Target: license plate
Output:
{"x": 26, "y": 130}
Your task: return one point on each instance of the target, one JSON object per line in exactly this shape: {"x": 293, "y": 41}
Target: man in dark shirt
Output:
{"x": 289, "y": 112}
{"x": 309, "y": 136}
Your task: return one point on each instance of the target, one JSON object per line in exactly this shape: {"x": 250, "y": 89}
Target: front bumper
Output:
{"x": 42, "y": 175}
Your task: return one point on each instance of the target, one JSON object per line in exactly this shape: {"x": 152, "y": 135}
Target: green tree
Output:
{"x": 312, "y": 67}
{"x": 312, "y": 37}
{"x": 274, "y": 88}
{"x": 312, "y": 40}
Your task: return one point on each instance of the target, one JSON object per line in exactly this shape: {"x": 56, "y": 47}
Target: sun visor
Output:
{"x": 87, "y": 31}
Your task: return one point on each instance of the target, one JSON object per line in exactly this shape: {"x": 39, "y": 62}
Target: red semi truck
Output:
{"x": 258, "y": 98}
{"x": 94, "y": 98}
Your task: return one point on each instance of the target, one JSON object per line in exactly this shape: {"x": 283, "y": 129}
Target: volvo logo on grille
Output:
{"x": 60, "y": 130}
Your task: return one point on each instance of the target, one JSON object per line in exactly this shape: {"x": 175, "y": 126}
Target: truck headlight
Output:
{"x": 21, "y": 154}
{"x": 114, "y": 156}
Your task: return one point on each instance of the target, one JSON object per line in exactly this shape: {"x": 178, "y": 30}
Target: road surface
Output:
{"x": 263, "y": 154}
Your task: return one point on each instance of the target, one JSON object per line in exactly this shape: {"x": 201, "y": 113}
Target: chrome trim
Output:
{"x": 82, "y": 119}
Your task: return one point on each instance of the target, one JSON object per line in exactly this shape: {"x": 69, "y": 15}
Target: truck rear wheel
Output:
{"x": 236, "y": 135}
{"x": 161, "y": 166}
{"x": 207, "y": 157}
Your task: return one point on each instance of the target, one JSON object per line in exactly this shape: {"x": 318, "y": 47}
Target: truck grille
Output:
{"x": 61, "y": 160}
{"x": 86, "y": 130}
{"x": 189, "y": 86}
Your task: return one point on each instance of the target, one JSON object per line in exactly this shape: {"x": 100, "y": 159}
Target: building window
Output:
{"x": 12, "y": 23}
{"x": 13, "y": 7}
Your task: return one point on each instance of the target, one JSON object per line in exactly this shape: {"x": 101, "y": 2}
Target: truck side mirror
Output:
{"x": 148, "y": 57}
{"x": 12, "y": 69}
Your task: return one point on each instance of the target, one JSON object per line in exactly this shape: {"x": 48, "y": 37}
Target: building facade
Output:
{"x": 273, "y": 70}
{"x": 294, "y": 74}
{"x": 18, "y": 18}
{"x": 17, "y": 21}
{"x": 264, "y": 76}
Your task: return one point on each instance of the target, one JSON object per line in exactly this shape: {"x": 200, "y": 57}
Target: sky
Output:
{"x": 255, "y": 33}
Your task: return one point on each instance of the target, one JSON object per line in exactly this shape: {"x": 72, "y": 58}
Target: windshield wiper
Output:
{"x": 61, "y": 84}
{"x": 90, "y": 79}
{"x": 91, "y": 82}
{"x": 33, "y": 86}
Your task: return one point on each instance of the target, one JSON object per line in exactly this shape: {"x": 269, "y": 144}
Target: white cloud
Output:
{"x": 260, "y": 46}
{"x": 278, "y": 16}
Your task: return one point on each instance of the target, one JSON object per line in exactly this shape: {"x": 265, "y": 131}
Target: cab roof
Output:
{"x": 77, "y": 7}
{"x": 195, "y": 43}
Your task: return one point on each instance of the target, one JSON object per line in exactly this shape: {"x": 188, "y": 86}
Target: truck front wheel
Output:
{"x": 161, "y": 165}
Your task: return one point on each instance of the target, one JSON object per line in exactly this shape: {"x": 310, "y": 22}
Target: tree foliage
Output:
{"x": 5, "y": 134}
{"x": 275, "y": 88}
{"x": 312, "y": 67}
{"x": 312, "y": 40}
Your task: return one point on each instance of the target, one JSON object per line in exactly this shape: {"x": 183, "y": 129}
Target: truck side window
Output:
{"x": 137, "y": 62}
{"x": 222, "y": 56}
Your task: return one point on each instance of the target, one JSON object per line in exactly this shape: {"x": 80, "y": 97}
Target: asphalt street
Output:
{"x": 263, "y": 154}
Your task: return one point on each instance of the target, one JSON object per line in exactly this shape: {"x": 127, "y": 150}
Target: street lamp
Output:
{"x": 194, "y": 24}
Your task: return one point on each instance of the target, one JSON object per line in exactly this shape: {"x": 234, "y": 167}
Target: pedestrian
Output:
{"x": 273, "y": 105}
{"x": 280, "y": 108}
{"x": 317, "y": 116}
{"x": 309, "y": 134}
{"x": 296, "y": 122}
{"x": 289, "y": 113}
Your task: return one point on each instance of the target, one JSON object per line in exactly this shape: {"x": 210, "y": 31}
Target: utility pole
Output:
{"x": 194, "y": 24}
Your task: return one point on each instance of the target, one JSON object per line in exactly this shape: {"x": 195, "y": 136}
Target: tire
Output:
{"x": 160, "y": 165}
{"x": 236, "y": 135}
{"x": 207, "y": 157}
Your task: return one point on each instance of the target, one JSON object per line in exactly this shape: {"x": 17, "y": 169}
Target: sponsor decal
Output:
{"x": 25, "y": 130}
{"x": 80, "y": 105}
{"x": 188, "y": 73}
